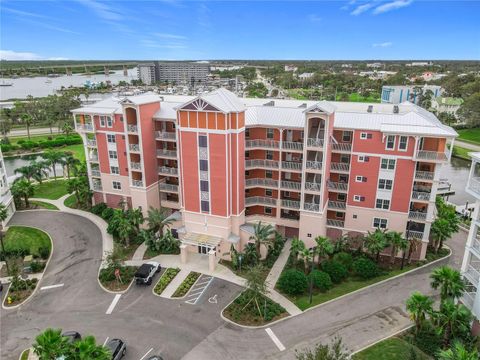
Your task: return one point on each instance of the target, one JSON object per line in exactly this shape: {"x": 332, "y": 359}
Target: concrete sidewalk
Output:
{"x": 177, "y": 280}
{"x": 277, "y": 268}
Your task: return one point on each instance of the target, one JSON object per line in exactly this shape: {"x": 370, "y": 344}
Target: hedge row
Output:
{"x": 43, "y": 144}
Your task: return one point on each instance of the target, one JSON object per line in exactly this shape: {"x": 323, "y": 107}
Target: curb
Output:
{"x": 39, "y": 280}
{"x": 110, "y": 291}
{"x": 382, "y": 339}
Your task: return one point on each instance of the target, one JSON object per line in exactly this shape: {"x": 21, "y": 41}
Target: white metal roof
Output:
{"x": 167, "y": 110}
{"x": 224, "y": 100}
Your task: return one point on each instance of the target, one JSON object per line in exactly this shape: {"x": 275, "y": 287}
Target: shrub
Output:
{"x": 107, "y": 214}
{"x": 44, "y": 252}
{"x": 345, "y": 259}
{"x": 243, "y": 307}
{"x": 99, "y": 208}
{"x": 365, "y": 268}
{"x": 428, "y": 340}
{"x": 293, "y": 282}
{"x": 186, "y": 284}
{"x": 165, "y": 279}
{"x": 321, "y": 280}
{"x": 36, "y": 266}
{"x": 336, "y": 270}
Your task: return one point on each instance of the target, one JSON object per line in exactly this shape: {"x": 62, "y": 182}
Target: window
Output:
{"x": 286, "y": 193}
{"x": 384, "y": 184}
{"x": 269, "y": 133}
{"x": 301, "y": 134}
{"x": 247, "y": 154}
{"x": 268, "y": 192}
{"x": 358, "y": 198}
{"x": 247, "y": 133}
{"x": 268, "y": 210}
{"x": 364, "y": 136}
{"x": 114, "y": 170}
{"x": 247, "y": 173}
{"x": 390, "y": 142}
{"x": 111, "y": 138}
{"x": 203, "y": 185}
{"x": 102, "y": 121}
{"x": 309, "y": 235}
{"x": 347, "y": 136}
{"x": 268, "y": 174}
{"x": 116, "y": 185}
{"x": 344, "y": 158}
{"x": 341, "y": 197}
{"x": 202, "y": 141}
{"x": 359, "y": 178}
{"x": 203, "y": 165}
{"x": 112, "y": 154}
{"x": 109, "y": 122}
{"x": 343, "y": 178}
{"x": 354, "y": 216}
{"x": 339, "y": 215}
{"x": 382, "y": 204}
{"x": 121, "y": 118}
{"x": 269, "y": 155}
{"x": 403, "y": 143}
{"x": 379, "y": 223}
{"x": 205, "y": 205}
{"x": 388, "y": 164}
{"x": 363, "y": 158}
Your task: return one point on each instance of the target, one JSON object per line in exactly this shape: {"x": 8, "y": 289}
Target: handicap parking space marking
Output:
{"x": 275, "y": 339}
{"x": 198, "y": 289}
{"x": 213, "y": 299}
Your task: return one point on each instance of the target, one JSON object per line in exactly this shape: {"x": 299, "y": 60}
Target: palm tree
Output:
{"x": 67, "y": 129}
{"x": 419, "y": 306}
{"x": 396, "y": 241}
{"x": 263, "y": 235}
{"x": 75, "y": 186}
{"x": 125, "y": 229}
{"x": 449, "y": 281}
{"x": 3, "y": 217}
{"x": 453, "y": 320}
{"x": 458, "y": 352}
{"x": 307, "y": 257}
{"x": 53, "y": 157}
{"x": 375, "y": 242}
{"x": 87, "y": 349}
{"x": 135, "y": 217}
{"x": 323, "y": 249}
{"x": 22, "y": 189}
{"x": 27, "y": 171}
{"x": 71, "y": 163}
{"x": 413, "y": 245}
{"x": 50, "y": 344}
{"x": 28, "y": 121}
{"x": 157, "y": 219}
{"x": 296, "y": 247}
{"x": 440, "y": 232}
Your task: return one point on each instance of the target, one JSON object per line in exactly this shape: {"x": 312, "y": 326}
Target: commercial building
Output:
{"x": 310, "y": 168}
{"x": 449, "y": 105}
{"x": 5, "y": 194}
{"x": 396, "y": 94}
{"x": 146, "y": 73}
{"x": 182, "y": 72}
{"x": 471, "y": 259}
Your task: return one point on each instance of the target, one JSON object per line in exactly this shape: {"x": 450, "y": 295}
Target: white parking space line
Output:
{"x": 51, "y": 286}
{"x": 113, "y": 304}
{"x": 105, "y": 342}
{"x": 148, "y": 352}
{"x": 198, "y": 289}
{"x": 275, "y": 339}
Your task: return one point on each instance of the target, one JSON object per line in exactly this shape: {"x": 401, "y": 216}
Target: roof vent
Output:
{"x": 370, "y": 108}
{"x": 395, "y": 109}
{"x": 270, "y": 103}
{"x": 303, "y": 106}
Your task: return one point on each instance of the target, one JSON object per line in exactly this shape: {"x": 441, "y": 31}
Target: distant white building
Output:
{"x": 420, "y": 63}
{"x": 6, "y": 197}
{"x": 375, "y": 65}
{"x": 220, "y": 67}
{"x": 448, "y": 105}
{"x": 146, "y": 73}
{"x": 396, "y": 94}
{"x": 376, "y": 75}
{"x": 305, "y": 76}
{"x": 291, "y": 68}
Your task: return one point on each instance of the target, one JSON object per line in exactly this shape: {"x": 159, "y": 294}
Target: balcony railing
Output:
{"x": 337, "y": 205}
{"x": 166, "y": 170}
{"x": 291, "y": 185}
{"x": 136, "y": 165}
{"x": 261, "y": 182}
{"x": 291, "y": 165}
{"x": 311, "y": 206}
{"x": 417, "y": 215}
{"x": 468, "y": 299}
{"x": 476, "y": 245}
{"x": 85, "y": 127}
{"x": 168, "y": 187}
{"x": 132, "y": 128}
{"x": 258, "y": 143}
{"x": 334, "y": 166}
{"x": 134, "y": 147}
{"x": 291, "y": 204}
{"x": 335, "y": 223}
{"x": 93, "y": 158}
{"x": 313, "y": 142}
{"x": 342, "y": 147}
{"x": 137, "y": 183}
{"x": 97, "y": 186}
{"x": 260, "y": 200}
{"x": 337, "y": 186}
{"x": 474, "y": 274}
{"x": 431, "y": 155}
{"x": 424, "y": 175}
{"x": 474, "y": 185}
{"x": 260, "y": 163}
{"x": 166, "y": 153}
{"x": 421, "y": 195}
{"x": 164, "y": 135}
{"x": 313, "y": 186}
{"x": 313, "y": 165}
{"x": 292, "y": 145}
{"x": 91, "y": 142}
{"x": 95, "y": 173}
{"x": 418, "y": 235}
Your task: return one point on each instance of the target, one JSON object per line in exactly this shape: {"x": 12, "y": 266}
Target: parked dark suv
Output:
{"x": 146, "y": 272}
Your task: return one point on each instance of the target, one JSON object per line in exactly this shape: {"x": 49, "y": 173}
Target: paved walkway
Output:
{"x": 138, "y": 255}
{"x": 177, "y": 280}
{"x": 277, "y": 268}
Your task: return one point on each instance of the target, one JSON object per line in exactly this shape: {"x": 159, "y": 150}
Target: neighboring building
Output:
{"x": 220, "y": 67}
{"x": 305, "y": 76}
{"x": 448, "y": 105}
{"x": 377, "y": 75}
{"x": 420, "y": 63}
{"x": 6, "y": 197}
{"x": 291, "y": 68}
{"x": 375, "y": 65}
{"x": 471, "y": 259}
{"x": 396, "y": 94}
{"x": 146, "y": 73}
{"x": 182, "y": 72}
{"x": 311, "y": 168}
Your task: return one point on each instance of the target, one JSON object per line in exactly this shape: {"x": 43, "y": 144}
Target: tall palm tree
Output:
{"x": 440, "y": 232}
{"x": 54, "y": 158}
{"x": 396, "y": 241}
{"x": 296, "y": 247}
{"x": 157, "y": 219}
{"x": 324, "y": 248}
{"x": 458, "y": 352}
{"x": 3, "y": 217}
{"x": 50, "y": 344}
{"x": 125, "y": 229}
{"x": 307, "y": 257}
{"x": 453, "y": 320}
{"x": 135, "y": 216}
{"x": 375, "y": 242}
{"x": 27, "y": 171}
{"x": 87, "y": 349}
{"x": 449, "y": 281}
{"x": 263, "y": 235}
{"x": 413, "y": 245}
{"x": 28, "y": 121}
{"x": 419, "y": 306}
{"x": 71, "y": 163}
{"x": 22, "y": 189}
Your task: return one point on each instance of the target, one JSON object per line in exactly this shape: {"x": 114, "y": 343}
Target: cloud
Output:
{"x": 394, "y": 5}
{"x": 170, "y": 36}
{"x": 155, "y": 44}
{"x": 314, "y": 18}
{"x": 103, "y": 10}
{"x": 19, "y": 55}
{"x": 361, "y": 9}
{"x": 23, "y": 13}
{"x": 383, "y": 45}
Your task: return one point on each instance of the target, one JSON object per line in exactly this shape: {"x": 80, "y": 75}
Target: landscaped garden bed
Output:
{"x": 36, "y": 205}
{"x": 19, "y": 290}
{"x": 394, "y": 348}
{"x": 165, "y": 279}
{"x": 186, "y": 284}
{"x": 52, "y": 190}
{"x": 109, "y": 280}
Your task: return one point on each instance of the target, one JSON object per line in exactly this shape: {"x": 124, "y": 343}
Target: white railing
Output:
{"x": 431, "y": 155}
{"x": 474, "y": 274}
{"x": 313, "y": 142}
{"x": 474, "y": 184}
{"x": 424, "y": 175}
{"x": 311, "y": 206}
{"x": 313, "y": 165}
{"x": 95, "y": 172}
{"x": 85, "y": 127}
{"x": 337, "y": 186}
{"x": 97, "y": 186}
{"x": 92, "y": 143}
{"x": 270, "y": 164}
{"x": 339, "y": 166}
{"x": 168, "y": 187}
{"x": 291, "y": 145}
{"x": 132, "y": 128}
{"x": 417, "y": 215}
{"x": 290, "y": 185}
{"x": 291, "y": 165}
{"x": 260, "y": 200}
{"x": 270, "y": 144}
{"x": 468, "y": 299}
{"x": 137, "y": 183}
{"x": 134, "y": 147}
{"x": 476, "y": 245}
{"x": 291, "y": 204}
{"x": 337, "y": 205}
{"x": 203, "y": 175}
{"x": 261, "y": 182}
{"x": 167, "y": 170}
{"x": 420, "y": 195}
{"x": 341, "y": 147}
{"x": 335, "y": 223}
{"x": 136, "y": 165}
{"x": 165, "y": 135}
{"x": 166, "y": 153}
{"x": 412, "y": 234}
{"x": 93, "y": 158}
{"x": 312, "y": 186}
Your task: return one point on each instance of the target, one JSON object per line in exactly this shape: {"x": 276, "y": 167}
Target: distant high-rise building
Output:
{"x": 181, "y": 72}
{"x": 146, "y": 73}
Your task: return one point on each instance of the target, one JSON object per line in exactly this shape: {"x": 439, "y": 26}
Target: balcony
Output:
{"x": 313, "y": 165}
{"x": 260, "y": 163}
{"x": 165, "y": 170}
{"x": 339, "y": 167}
{"x": 85, "y": 127}
{"x": 260, "y": 200}
{"x": 132, "y": 129}
{"x": 95, "y": 173}
{"x": 473, "y": 274}
{"x": 262, "y": 144}
{"x": 93, "y": 158}
{"x": 424, "y": 175}
{"x": 421, "y": 195}
{"x": 474, "y": 185}
{"x": 417, "y": 235}
{"x": 97, "y": 186}
{"x": 476, "y": 246}
{"x": 468, "y": 299}
{"x": 337, "y": 205}
{"x": 313, "y": 186}
{"x": 431, "y": 156}
{"x": 134, "y": 148}
{"x": 136, "y": 165}
{"x": 341, "y": 147}
{"x": 169, "y": 154}
{"x": 259, "y": 182}
{"x": 291, "y": 204}
{"x": 316, "y": 143}
{"x": 291, "y": 165}
{"x": 137, "y": 183}
{"x": 168, "y": 187}
{"x": 311, "y": 206}
{"x": 170, "y": 203}
{"x": 91, "y": 142}
{"x": 335, "y": 223}
{"x": 290, "y": 185}
{"x": 164, "y": 135}
{"x": 337, "y": 186}
{"x": 417, "y": 215}
{"x": 293, "y": 146}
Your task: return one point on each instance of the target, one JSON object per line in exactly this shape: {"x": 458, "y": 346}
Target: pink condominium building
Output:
{"x": 222, "y": 163}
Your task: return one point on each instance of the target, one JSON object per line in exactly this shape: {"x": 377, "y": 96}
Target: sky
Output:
{"x": 204, "y": 30}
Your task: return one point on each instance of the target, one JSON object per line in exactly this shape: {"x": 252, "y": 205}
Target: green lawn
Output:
{"x": 43, "y": 205}
{"x": 356, "y": 97}
{"x": 71, "y": 202}
{"x": 27, "y": 239}
{"x": 461, "y": 152}
{"x": 51, "y": 190}
{"x": 470, "y": 135}
{"x": 390, "y": 349}
{"x": 77, "y": 150}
